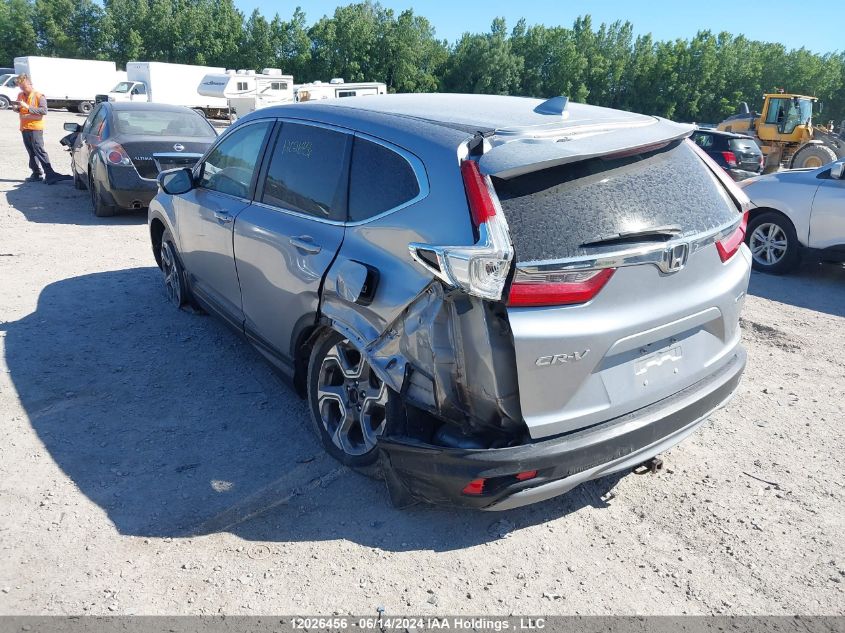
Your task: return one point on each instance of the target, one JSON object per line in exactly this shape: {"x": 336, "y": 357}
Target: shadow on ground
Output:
{"x": 61, "y": 203}
{"x": 813, "y": 285}
{"x": 173, "y": 426}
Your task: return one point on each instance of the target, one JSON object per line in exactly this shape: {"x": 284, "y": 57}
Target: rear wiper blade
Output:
{"x": 653, "y": 234}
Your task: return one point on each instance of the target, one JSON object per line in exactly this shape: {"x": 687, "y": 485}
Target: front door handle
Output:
{"x": 306, "y": 244}
{"x": 223, "y": 217}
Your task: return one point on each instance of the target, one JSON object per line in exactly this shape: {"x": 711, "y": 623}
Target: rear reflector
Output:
{"x": 480, "y": 202}
{"x": 730, "y": 158}
{"x": 475, "y": 487}
{"x": 561, "y": 288}
{"x": 528, "y": 474}
{"x": 729, "y": 245}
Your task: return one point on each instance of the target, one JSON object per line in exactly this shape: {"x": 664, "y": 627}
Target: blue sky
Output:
{"x": 786, "y": 21}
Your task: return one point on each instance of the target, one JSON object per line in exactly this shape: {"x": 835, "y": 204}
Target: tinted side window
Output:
{"x": 230, "y": 166}
{"x": 379, "y": 180}
{"x": 308, "y": 171}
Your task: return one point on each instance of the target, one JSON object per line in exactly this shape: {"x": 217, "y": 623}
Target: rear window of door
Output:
{"x": 231, "y": 165}
{"x": 380, "y": 179}
{"x": 308, "y": 171}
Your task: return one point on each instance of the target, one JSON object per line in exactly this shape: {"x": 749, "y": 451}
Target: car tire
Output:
{"x": 4, "y": 103}
{"x": 348, "y": 425}
{"x": 175, "y": 281}
{"x": 101, "y": 209}
{"x": 773, "y": 243}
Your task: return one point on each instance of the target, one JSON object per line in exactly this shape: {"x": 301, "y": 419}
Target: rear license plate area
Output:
{"x": 660, "y": 367}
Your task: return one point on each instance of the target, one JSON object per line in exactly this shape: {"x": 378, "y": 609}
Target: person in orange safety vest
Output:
{"x": 32, "y": 108}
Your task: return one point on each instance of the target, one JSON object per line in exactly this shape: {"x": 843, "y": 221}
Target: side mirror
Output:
{"x": 837, "y": 171}
{"x": 72, "y": 127}
{"x": 176, "y": 181}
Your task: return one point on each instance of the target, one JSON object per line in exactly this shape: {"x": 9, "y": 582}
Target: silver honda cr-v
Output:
{"x": 486, "y": 300}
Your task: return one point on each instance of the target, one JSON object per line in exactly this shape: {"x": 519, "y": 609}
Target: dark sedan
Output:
{"x": 737, "y": 154}
{"x": 119, "y": 151}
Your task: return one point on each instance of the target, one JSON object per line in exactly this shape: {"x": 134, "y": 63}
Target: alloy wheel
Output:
{"x": 768, "y": 244}
{"x": 171, "y": 274}
{"x": 351, "y": 400}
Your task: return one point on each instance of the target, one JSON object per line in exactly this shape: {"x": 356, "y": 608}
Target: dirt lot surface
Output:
{"x": 152, "y": 463}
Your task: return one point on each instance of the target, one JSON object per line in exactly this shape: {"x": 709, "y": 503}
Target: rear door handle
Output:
{"x": 222, "y": 217}
{"x": 306, "y": 244}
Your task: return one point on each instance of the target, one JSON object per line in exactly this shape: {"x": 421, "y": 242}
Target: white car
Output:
{"x": 796, "y": 211}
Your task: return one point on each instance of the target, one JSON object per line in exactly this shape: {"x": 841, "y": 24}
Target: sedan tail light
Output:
{"x": 115, "y": 154}
{"x": 482, "y": 268}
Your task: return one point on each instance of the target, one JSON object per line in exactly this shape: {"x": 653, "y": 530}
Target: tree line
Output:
{"x": 699, "y": 79}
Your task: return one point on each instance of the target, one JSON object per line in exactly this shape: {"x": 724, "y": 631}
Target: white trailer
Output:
{"x": 247, "y": 91}
{"x": 66, "y": 83}
{"x": 337, "y": 88}
{"x": 174, "y": 84}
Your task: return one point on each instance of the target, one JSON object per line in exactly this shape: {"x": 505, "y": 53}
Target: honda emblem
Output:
{"x": 674, "y": 258}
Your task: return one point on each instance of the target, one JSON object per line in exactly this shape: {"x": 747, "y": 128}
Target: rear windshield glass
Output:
{"x": 162, "y": 123}
{"x": 555, "y": 212}
{"x": 744, "y": 145}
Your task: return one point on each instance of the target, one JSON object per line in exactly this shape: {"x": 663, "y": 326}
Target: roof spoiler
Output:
{"x": 523, "y": 155}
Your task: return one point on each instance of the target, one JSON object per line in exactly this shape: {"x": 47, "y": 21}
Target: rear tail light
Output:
{"x": 762, "y": 161}
{"x": 557, "y": 288}
{"x": 481, "y": 269}
{"x": 730, "y": 158}
{"x": 481, "y": 205}
{"x": 115, "y": 154}
{"x": 728, "y": 246}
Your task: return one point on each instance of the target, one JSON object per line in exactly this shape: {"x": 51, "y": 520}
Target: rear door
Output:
{"x": 665, "y": 313}
{"x": 286, "y": 240}
{"x": 205, "y": 216}
{"x": 827, "y": 220}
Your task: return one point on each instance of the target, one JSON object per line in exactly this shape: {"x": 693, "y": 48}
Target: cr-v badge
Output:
{"x": 560, "y": 359}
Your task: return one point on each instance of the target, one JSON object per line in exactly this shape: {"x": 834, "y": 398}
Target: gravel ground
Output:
{"x": 152, "y": 463}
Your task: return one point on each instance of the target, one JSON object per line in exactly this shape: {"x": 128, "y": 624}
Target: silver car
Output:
{"x": 796, "y": 212}
{"x": 485, "y": 300}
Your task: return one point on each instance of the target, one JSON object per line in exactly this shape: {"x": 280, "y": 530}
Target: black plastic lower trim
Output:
{"x": 436, "y": 474}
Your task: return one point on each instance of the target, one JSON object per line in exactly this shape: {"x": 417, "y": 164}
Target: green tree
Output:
{"x": 256, "y": 43}
{"x": 16, "y": 24}
{"x": 484, "y": 63}
{"x": 291, "y": 44}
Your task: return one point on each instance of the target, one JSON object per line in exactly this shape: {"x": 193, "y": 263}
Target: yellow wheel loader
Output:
{"x": 786, "y": 134}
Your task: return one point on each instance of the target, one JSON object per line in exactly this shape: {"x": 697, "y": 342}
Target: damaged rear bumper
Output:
{"x": 416, "y": 471}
